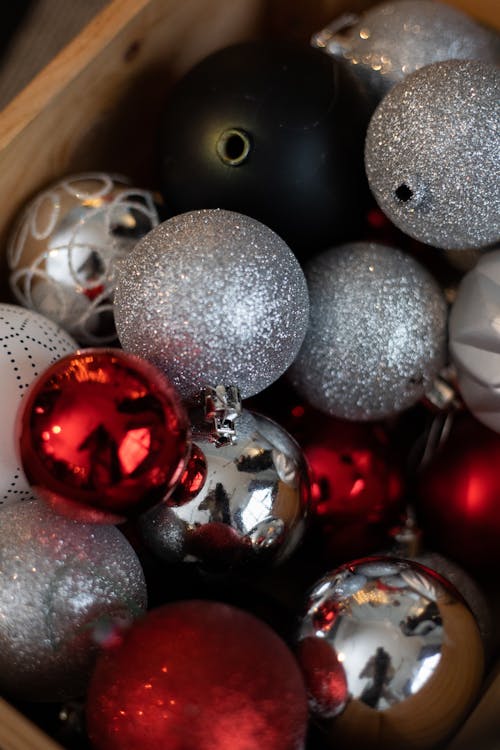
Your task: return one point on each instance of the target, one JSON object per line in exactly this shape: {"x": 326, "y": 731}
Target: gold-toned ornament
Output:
{"x": 391, "y": 654}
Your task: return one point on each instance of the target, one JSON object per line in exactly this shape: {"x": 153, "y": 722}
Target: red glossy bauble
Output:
{"x": 197, "y": 675}
{"x": 356, "y": 482}
{"x": 102, "y": 435}
{"x": 458, "y": 501}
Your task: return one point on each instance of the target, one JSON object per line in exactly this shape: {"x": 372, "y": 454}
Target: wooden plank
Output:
{"x": 97, "y": 104}
{"x": 17, "y": 733}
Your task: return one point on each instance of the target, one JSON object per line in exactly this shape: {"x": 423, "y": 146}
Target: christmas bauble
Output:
{"x": 356, "y": 485}
{"x": 468, "y": 588}
{"x": 250, "y": 507}
{"x": 474, "y": 339}
{"x": 29, "y": 344}
{"x": 197, "y": 674}
{"x": 392, "y": 656}
{"x": 407, "y": 543}
{"x": 273, "y": 131}
{"x": 67, "y": 589}
{"x": 390, "y": 40}
{"x": 102, "y": 435}
{"x": 212, "y": 297}
{"x": 458, "y": 494}
{"x": 432, "y": 154}
{"x": 376, "y": 336}
{"x": 64, "y": 247}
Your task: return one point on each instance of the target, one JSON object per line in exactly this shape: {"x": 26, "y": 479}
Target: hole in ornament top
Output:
{"x": 403, "y": 193}
{"x": 233, "y": 147}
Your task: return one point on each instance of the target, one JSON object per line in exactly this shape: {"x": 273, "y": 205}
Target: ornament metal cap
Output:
{"x": 222, "y": 409}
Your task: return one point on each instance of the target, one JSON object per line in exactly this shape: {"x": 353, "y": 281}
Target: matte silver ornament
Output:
{"x": 377, "y": 332}
{"x": 212, "y": 297}
{"x": 65, "y": 588}
{"x": 391, "y": 654}
{"x": 390, "y": 40}
{"x": 64, "y": 247}
{"x": 432, "y": 154}
{"x": 475, "y": 339}
{"x": 245, "y": 506}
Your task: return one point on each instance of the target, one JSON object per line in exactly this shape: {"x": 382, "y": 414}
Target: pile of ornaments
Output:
{"x": 291, "y": 603}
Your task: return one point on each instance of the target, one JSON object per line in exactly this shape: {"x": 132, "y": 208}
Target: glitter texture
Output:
{"x": 63, "y": 586}
{"x": 432, "y": 154}
{"x": 377, "y": 332}
{"x": 475, "y": 339}
{"x": 212, "y": 297}
{"x": 387, "y": 42}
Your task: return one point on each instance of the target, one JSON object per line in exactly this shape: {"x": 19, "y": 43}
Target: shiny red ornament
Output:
{"x": 197, "y": 675}
{"x": 356, "y": 482}
{"x": 458, "y": 500}
{"x": 102, "y": 435}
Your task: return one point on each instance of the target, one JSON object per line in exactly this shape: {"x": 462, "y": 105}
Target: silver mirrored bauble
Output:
{"x": 432, "y": 154}
{"x": 468, "y": 588}
{"x": 377, "y": 332}
{"x": 475, "y": 339}
{"x": 391, "y": 654}
{"x": 250, "y": 507}
{"x": 29, "y": 343}
{"x": 63, "y": 250}
{"x": 212, "y": 297}
{"x": 390, "y": 40}
{"x": 65, "y": 589}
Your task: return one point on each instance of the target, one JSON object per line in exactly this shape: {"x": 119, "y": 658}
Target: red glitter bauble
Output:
{"x": 458, "y": 503}
{"x": 102, "y": 435}
{"x": 197, "y": 675}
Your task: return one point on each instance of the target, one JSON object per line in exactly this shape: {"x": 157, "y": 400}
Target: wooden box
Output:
{"x": 96, "y": 107}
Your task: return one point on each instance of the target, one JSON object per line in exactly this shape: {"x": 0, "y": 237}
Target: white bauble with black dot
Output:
{"x": 29, "y": 343}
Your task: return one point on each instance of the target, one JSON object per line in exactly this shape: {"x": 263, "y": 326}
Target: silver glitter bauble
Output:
{"x": 391, "y": 655}
{"x": 29, "y": 343}
{"x": 65, "y": 588}
{"x": 250, "y": 507}
{"x": 212, "y": 297}
{"x": 390, "y": 40}
{"x": 432, "y": 154}
{"x": 377, "y": 332}
{"x": 63, "y": 250}
{"x": 475, "y": 339}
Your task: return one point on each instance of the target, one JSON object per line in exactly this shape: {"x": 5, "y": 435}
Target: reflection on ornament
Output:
{"x": 376, "y": 336}
{"x": 212, "y": 297}
{"x": 102, "y": 435}
{"x": 392, "y": 39}
{"x": 63, "y": 251}
{"x": 431, "y": 154}
{"x": 29, "y": 343}
{"x": 197, "y": 674}
{"x": 250, "y": 506}
{"x": 64, "y": 585}
{"x": 475, "y": 339}
{"x": 356, "y": 485}
{"x": 457, "y": 496}
{"x": 391, "y": 655}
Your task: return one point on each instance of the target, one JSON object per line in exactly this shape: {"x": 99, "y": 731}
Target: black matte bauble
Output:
{"x": 272, "y": 131}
